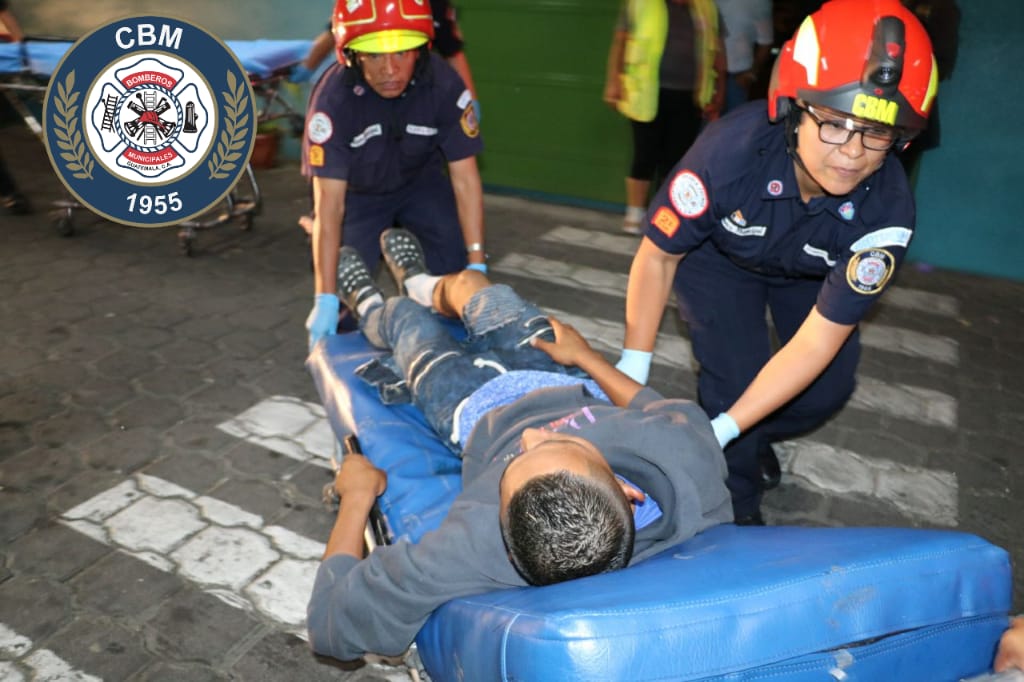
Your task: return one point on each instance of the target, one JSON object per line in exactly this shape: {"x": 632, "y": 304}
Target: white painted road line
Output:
{"x": 911, "y": 299}
{"x": 224, "y": 549}
{"x": 44, "y": 664}
{"x": 287, "y": 425}
{"x": 592, "y": 239}
{"x": 922, "y": 405}
{"x": 925, "y": 494}
{"x": 895, "y": 340}
{"x": 906, "y": 342}
{"x": 563, "y": 273}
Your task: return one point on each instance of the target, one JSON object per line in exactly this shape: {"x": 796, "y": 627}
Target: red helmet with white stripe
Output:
{"x": 381, "y": 25}
{"x": 871, "y": 59}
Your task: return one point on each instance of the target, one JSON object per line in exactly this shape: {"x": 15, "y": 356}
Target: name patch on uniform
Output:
{"x": 887, "y": 236}
{"x": 688, "y": 195}
{"x": 464, "y": 99}
{"x": 360, "y": 139}
{"x": 742, "y": 230}
{"x": 869, "y": 270}
{"x": 319, "y": 128}
{"x": 470, "y": 126}
{"x": 420, "y": 130}
{"x": 316, "y": 155}
{"x": 819, "y": 253}
{"x": 666, "y": 221}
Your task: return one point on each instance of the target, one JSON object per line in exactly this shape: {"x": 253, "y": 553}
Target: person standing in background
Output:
{"x": 748, "y": 45}
{"x": 666, "y": 73}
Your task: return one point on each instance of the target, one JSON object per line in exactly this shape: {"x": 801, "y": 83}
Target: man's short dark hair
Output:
{"x": 561, "y": 526}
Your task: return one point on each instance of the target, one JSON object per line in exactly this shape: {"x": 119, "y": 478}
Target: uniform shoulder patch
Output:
{"x": 869, "y": 270}
{"x": 319, "y": 128}
{"x": 470, "y": 125}
{"x": 666, "y": 221}
{"x": 688, "y": 195}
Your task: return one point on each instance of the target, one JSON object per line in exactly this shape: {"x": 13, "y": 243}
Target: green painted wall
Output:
{"x": 539, "y": 68}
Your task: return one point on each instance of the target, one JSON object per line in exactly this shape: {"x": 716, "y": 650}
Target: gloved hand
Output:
{"x": 476, "y": 110}
{"x": 725, "y": 428}
{"x": 636, "y": 364}
{"x": 323, "y": 318}
{"x": 300, "y": 73}
{"x": 479, "y": 267}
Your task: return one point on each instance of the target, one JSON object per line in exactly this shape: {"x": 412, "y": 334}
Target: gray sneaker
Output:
{"x": 355, "y": 284}
{"x": 403, "y": 255}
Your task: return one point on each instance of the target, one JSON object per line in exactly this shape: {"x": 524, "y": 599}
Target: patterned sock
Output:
{"x": 421, "y": 288}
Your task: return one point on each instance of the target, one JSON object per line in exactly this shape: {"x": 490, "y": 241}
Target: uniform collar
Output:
{"x": 780, "y": 183}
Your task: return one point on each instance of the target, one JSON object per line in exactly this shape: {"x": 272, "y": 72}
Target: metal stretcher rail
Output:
{"x": 25, "y": 70}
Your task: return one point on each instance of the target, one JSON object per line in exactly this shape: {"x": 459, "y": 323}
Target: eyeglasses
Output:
{"x": 839, "y": 131}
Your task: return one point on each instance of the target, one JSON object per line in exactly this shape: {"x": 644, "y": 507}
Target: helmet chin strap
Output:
{"x": 792, "y": 123}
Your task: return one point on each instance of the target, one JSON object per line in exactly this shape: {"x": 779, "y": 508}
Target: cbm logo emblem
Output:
{"x": 149, "y": 121}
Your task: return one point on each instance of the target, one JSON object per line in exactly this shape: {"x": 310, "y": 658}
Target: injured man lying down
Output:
{"x": 569, "y": 467}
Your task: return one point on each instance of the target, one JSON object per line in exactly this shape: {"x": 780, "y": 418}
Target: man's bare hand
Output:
{"x": 357, "y": 475}
{"x": 569, "y": 347}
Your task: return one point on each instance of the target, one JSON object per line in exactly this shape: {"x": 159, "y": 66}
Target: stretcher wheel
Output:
{"x": 64, "y": 225}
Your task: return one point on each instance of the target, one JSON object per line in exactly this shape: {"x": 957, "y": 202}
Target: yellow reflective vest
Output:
{"x": 648, "y": 22}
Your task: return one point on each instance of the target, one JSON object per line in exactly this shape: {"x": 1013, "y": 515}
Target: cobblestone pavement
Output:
{"x": 162, "y": 449}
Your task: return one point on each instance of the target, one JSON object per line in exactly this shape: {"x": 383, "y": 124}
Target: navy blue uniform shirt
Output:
{"x": 382, "y": 145}
{"x": 737, "y": 187}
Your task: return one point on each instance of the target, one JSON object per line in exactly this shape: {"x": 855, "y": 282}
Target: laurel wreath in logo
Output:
{"x": 232, "y": 138}
{"x": 69, "y": 137}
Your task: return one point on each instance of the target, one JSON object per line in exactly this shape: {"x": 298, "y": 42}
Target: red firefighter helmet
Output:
{"x": 867, "y": 58}
{"x": 381, "y": 25}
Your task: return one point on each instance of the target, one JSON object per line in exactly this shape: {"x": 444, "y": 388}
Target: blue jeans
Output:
{"x": 438, "y": 372}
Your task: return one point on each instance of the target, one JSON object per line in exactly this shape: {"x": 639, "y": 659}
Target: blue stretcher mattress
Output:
{"x": 259, "y": 58}
{"x": 734, "y": 603}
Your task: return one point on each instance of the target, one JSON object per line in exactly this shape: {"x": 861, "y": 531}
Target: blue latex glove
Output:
{"x": 725, "y": 428}
{"x": 323, "y": 318}
{"x": 476, "y": 110}
{"x": 636, "y": 364}
{"x": 299, "y": 73}
{"x": 479, "y": 267}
